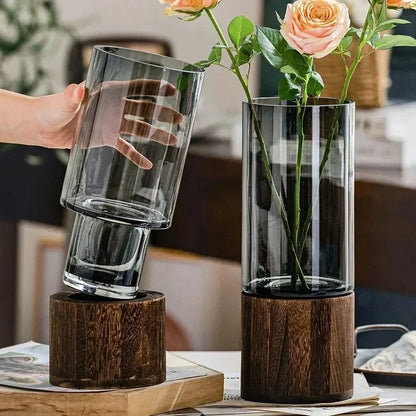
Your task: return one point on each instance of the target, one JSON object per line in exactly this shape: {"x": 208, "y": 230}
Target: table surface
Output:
{"x": 229, "y": 362}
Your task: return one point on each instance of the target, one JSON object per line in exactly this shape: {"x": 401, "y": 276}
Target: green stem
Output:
{"x": 349, "y": 74}
{"x": 232, "y": 57}
{"x": 263, "y": 148}
{"x": 301, "y": 107}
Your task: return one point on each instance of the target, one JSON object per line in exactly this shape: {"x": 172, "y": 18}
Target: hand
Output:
{"x": 117, "y": 109}
{"x": 116, "y": 113}
{"x": 56, "y": 117}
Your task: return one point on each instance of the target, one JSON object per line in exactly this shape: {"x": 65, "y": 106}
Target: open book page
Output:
{"x": 26, "y": 366}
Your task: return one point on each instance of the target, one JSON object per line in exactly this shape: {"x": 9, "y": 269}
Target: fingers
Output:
{"x": 132, "y": 154}
{"x": 151, "y": 87}
{"x": 148, "y": 109}
{"x": 142, "y": 129}
{"x": 70, "y": 99}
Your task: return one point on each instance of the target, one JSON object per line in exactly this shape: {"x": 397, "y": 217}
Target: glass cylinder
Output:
{"x": 126, "y": 163}
{"x": 298, "y": 198}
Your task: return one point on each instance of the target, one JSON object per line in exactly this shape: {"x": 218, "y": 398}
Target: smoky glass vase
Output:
{"x": 298, "y": 198}
{"x": 126, "y": 164}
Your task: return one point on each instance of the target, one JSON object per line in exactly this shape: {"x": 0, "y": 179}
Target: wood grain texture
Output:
{"x": 297, "y": 350}
{"x": 101, "y": 343}
{"x": 146, "y": 401}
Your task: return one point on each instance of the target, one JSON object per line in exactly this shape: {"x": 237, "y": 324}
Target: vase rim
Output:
{"x": 151, "y": 59}
{"x": 312, "y": 102}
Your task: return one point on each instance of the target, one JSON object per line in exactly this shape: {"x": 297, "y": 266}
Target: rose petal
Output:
{"x": 315, "y": 27}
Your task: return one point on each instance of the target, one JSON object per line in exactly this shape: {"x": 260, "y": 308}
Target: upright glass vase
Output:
{"x": 126, "y": 164}
{"x": 298, "y": 251}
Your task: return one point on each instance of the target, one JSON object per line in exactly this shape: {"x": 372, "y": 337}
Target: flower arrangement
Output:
{"x": 310, "y": 29}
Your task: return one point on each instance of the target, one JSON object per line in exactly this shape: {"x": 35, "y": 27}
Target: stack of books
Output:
{"x": 386, "y": 137}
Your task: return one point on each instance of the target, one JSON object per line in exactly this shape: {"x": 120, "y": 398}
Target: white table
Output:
{"x": 229, "y": 362}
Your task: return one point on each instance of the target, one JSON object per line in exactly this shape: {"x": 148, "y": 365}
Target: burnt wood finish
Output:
{"x": 102, "y": 343}
{"x": 297, "y": 350}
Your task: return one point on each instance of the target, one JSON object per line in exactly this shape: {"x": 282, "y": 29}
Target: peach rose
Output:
{"x": 315, "y": 27}
{"x": 402, "y": 4}
{"x": 188, "y": 9}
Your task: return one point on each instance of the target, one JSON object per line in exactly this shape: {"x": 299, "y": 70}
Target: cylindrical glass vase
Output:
{"x": 298, "y": 198}
{"x": 126, "y": 163}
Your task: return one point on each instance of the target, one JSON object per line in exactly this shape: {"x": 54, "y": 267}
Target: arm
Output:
{"x": 47, "y": 121}
{"x": 51, "y": 120}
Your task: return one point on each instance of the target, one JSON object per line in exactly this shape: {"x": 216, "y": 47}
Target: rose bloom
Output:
{"x": 315, "y": 27}
{"x": 402, "y": 4}
{"x": 191, "y": 8}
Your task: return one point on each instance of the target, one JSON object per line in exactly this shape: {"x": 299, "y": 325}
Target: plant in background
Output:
{"x": 310, "y": 29}
{"x": 26, "y": 30}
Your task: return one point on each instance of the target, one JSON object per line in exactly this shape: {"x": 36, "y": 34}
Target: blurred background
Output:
{"x": 44, "y": 45}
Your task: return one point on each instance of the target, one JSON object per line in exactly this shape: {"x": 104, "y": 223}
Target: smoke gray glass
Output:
{"x": 127, "y": 160}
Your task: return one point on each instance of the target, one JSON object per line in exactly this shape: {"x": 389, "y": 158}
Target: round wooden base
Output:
{"x": 104, "y": 343}
{"x": 297, "y": 350}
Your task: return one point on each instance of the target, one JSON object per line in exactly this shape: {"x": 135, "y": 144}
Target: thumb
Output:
{"x": 69, "y": 100}
{"x": 60, "y": 109}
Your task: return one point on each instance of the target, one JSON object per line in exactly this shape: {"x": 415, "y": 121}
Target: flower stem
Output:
{"x": 348, "y": 76}
{"x": 265, "y": 157}
{"x": 301, "y": 107}
{"x": 227, "y": 48}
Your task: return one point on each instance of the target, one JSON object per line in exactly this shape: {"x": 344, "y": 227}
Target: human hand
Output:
{"x": 119, "y": 113}
{"x": 112, "y": 112}
{"x": 56, "y": 117}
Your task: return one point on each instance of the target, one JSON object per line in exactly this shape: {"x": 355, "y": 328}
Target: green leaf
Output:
{"x": 390, "y": 41}
{"x": 315, "y": 85}
{"x": 183, "y": 81}
{"x": 239, "y": 29}
{"x": 373, "y": 40}
{"x": 287, "y": 69}
{"x": 297, "y": 61}
{"x": 215, "y": 55}
{"x": 255, "y": 44}
{"x": 345, "y": 43}
{"x": 390, "y": 24}
{"x": 289, "y": 90}
{"x": 269, "y": 41}
{"x": 382, "y": 15}
{"x": 372, "y": 18}
{"x": 245, "y": 54}
{"x": 354, "y": 31}
{"x": 358, "y": 32}
{"x": 203, "y": 64}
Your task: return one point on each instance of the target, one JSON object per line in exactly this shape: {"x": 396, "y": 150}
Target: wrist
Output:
{"x": 39, "y": 119}
{"x": 17, "y": 112}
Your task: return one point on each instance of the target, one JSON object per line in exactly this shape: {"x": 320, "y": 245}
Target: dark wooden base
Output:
{"x": 103, "y": 343}
{"x": 297, "y": 350}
